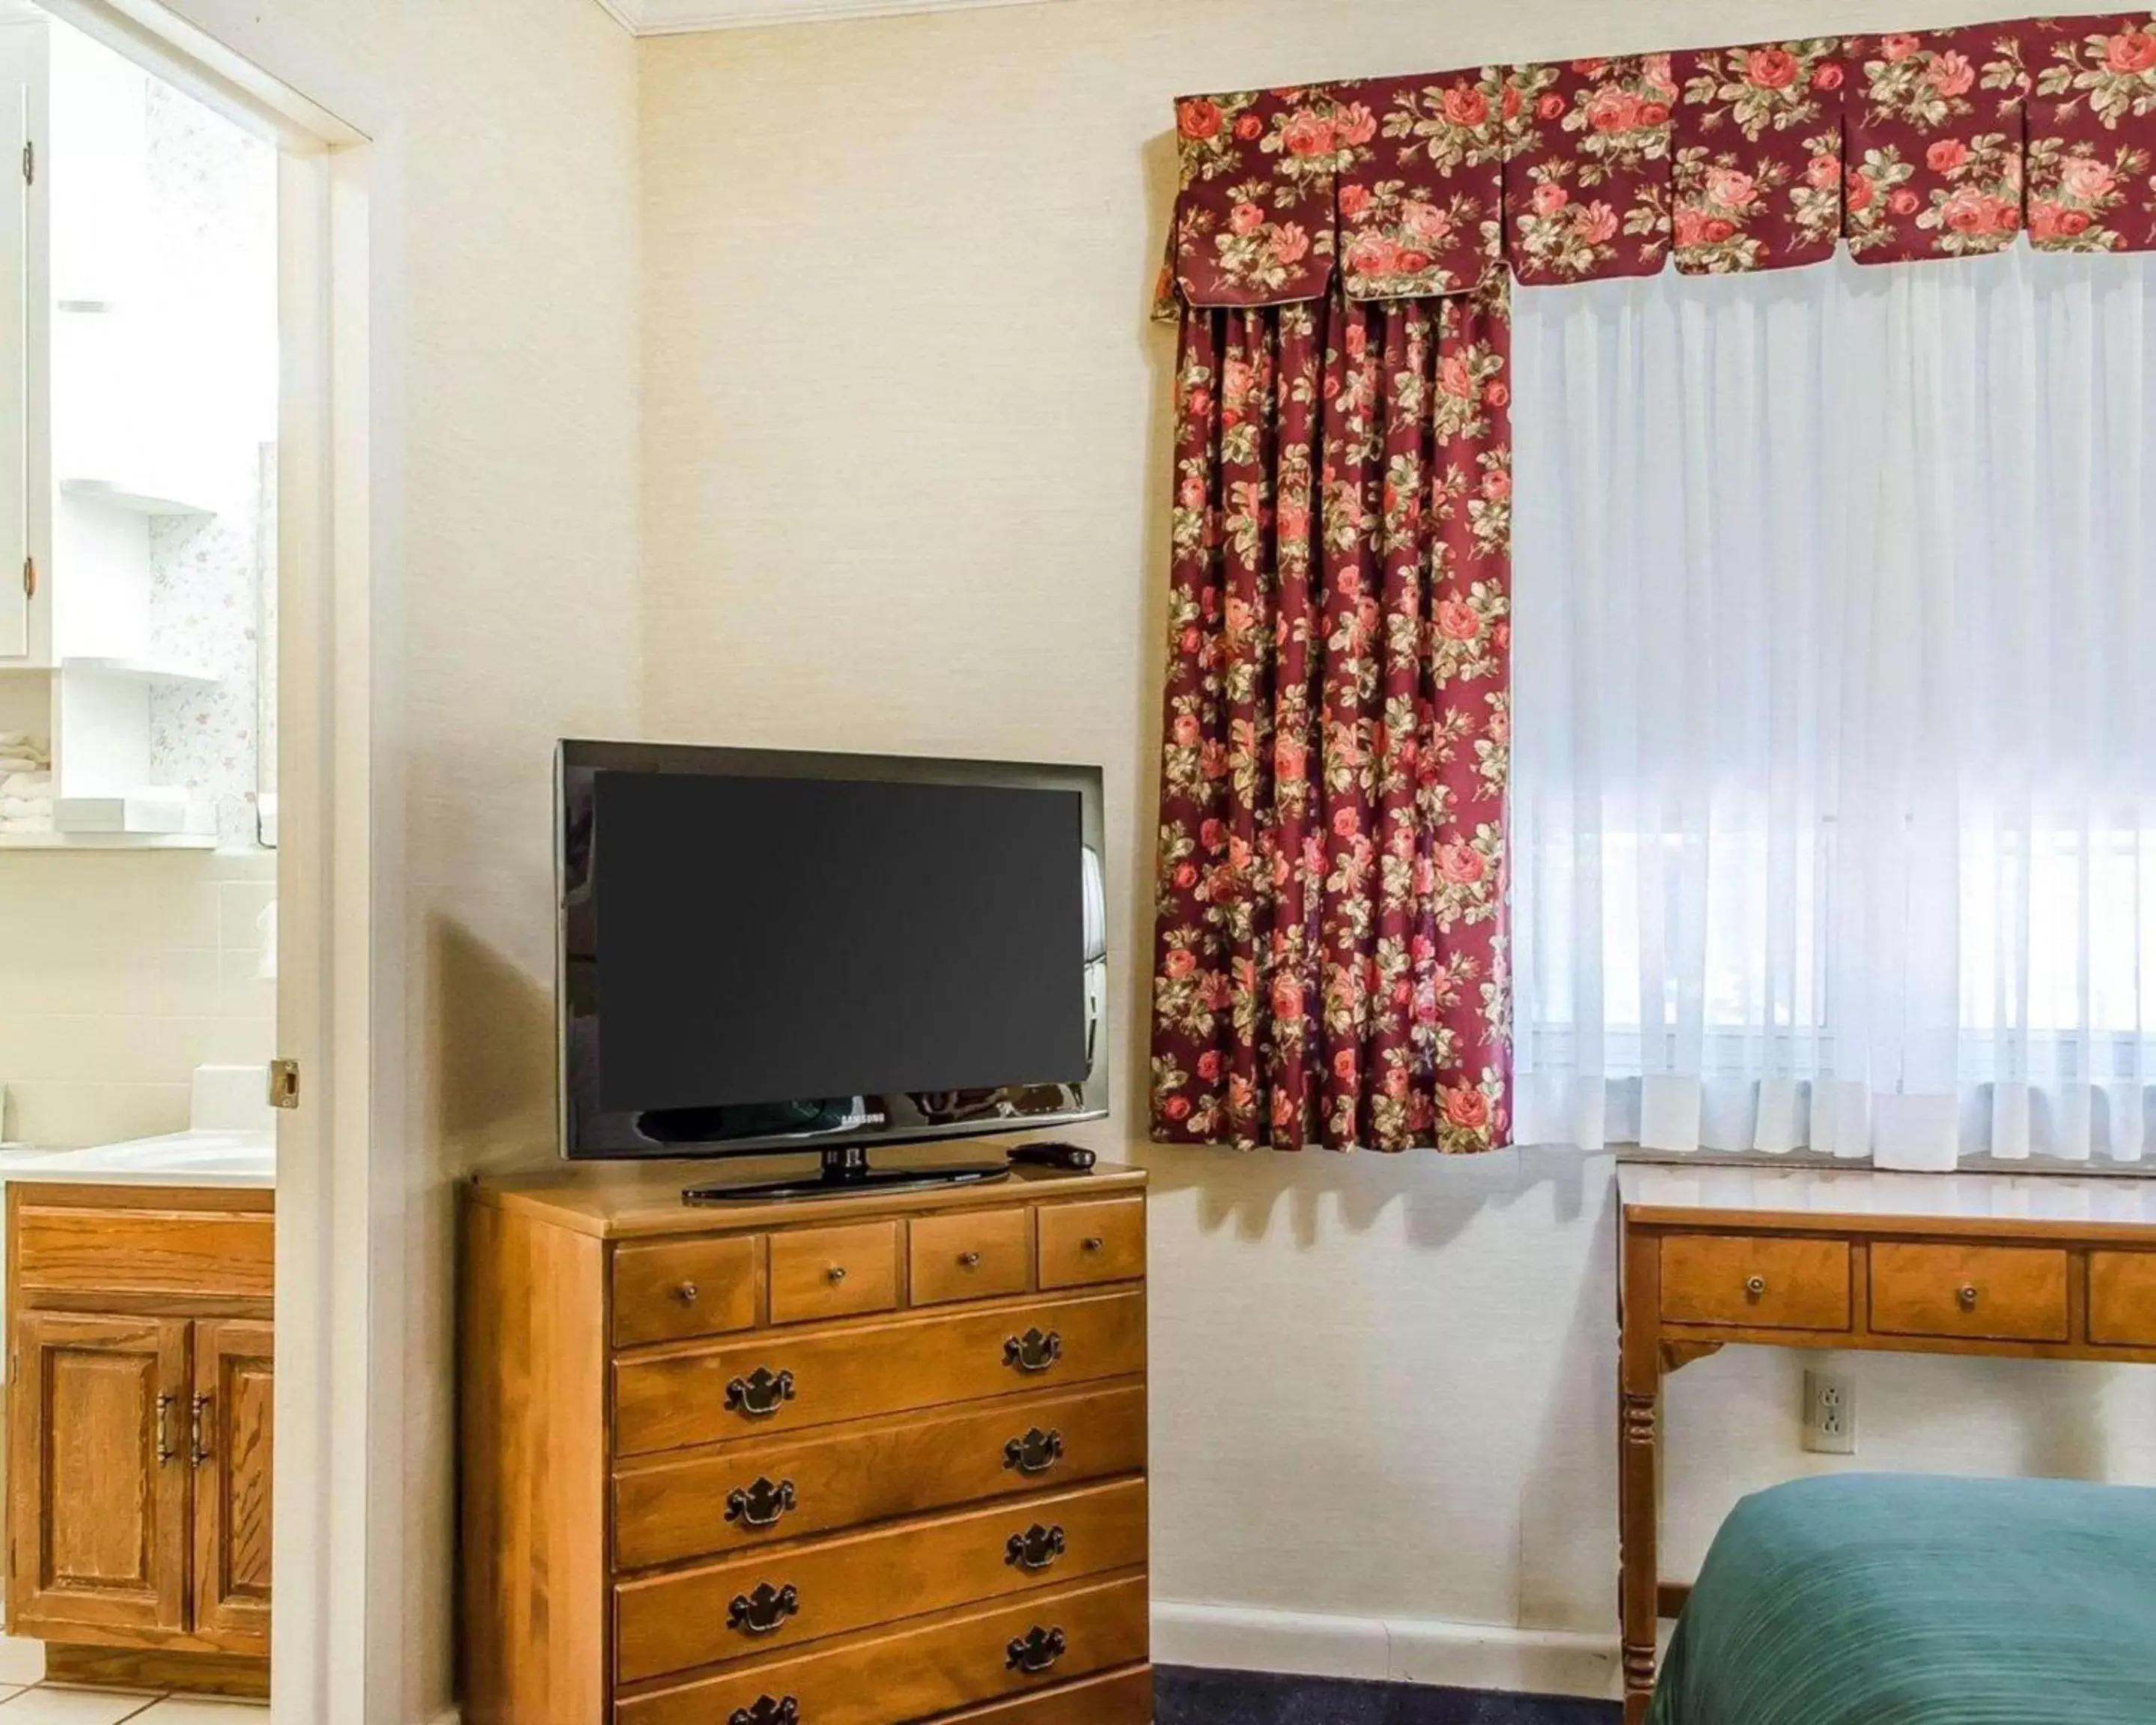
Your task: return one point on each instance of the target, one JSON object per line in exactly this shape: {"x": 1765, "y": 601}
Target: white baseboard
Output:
{"x": 1461, "y": 1656}
{"x": 21, "y": 1660}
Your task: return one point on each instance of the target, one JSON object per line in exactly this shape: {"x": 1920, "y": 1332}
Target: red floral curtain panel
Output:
{"x": 1331, "y": 910}
{"x": 1330, "y": 954}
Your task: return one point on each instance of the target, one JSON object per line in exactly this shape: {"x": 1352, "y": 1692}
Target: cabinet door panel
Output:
{"x": 230, "y": 1445}
{"x": 98, "y": 1497}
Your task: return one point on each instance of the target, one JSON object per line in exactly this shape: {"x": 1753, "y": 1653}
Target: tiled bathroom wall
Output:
{"x": 120, "y": 972}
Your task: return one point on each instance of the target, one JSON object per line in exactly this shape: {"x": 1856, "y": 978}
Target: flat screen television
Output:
{"x": 765, "y": 952}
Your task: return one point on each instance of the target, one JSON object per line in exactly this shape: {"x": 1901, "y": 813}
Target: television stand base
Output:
{"x": 845, "y": 1171}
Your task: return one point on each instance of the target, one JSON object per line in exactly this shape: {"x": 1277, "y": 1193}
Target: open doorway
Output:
{"x": 183, "y": 468}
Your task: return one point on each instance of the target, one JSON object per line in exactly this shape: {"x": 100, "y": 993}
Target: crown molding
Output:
{"x": 678, "y": 17}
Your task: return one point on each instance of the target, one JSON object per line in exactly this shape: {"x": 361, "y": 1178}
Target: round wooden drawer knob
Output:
{"x": 836, "y": 1274}
{"x": 1967, "y": 1297}
{"x": 1755, "y": 1287}
{"x": 686, "y": 1293}
{"x": 1093, "y": 1243}
{"x": 969, "y": 1260}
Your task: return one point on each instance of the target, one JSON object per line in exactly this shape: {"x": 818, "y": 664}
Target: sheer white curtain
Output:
{"x": 1835, "y": 662}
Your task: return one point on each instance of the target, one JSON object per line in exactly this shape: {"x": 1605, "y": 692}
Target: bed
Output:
{"x": 1874, "y": 1599}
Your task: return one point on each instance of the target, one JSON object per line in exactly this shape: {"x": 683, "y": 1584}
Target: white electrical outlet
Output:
{"x": 1830, "y": 1410}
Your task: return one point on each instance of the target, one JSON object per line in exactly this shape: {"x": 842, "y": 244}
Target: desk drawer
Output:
{"x": 760, "y": 1493}
{"x": 1758, "y": 1282}
{"x": 834, "y": 1272}
{"x": 677, "y": 1290}
{"x": 1082, "y": 1244}
{"x": 1995, "y": 1293}
{"x": 924, "y": 1670}
{"x": 981, "y": 1254}
{"x": 749, "y": 1607}
{"x": 781, "y": 1382}
{"x": 1120, "y": 1698}
{"x": 2122, "y": 1298}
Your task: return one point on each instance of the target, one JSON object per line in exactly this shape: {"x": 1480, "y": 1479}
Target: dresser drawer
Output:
{"x": 677, "y": 1290}
{"x": 1084, "y": 1243}
{"x": 756, "y": 1494}
{"x": 1759, "y": 1282}
{"x": 1999, "y": 1293}
{"x": 2122, "y": 1298}
{"x": 834, "y": 1272}
{"x": 977, "y": 1255}
{"x": 68, "y": 1251}
{"x": 924, "y": 1670}
{"x": 748, "y": 1606}
{"x": 781, "y": 1383}
{"x": 1120, "y": 1698}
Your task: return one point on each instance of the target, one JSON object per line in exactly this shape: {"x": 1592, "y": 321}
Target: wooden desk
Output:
{"x": 2032, "y": 1267}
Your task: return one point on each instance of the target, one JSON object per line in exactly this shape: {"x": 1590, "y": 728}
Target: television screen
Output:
{"x": 767, "y": 951}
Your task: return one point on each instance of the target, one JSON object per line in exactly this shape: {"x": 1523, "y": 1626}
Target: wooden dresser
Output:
{"x": 2039, "y": 1267}
{"x": 856, "y": 1460}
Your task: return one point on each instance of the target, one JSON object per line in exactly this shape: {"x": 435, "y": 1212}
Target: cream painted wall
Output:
{"x": 903, "y": 483}
{"x": 504, "y": 308}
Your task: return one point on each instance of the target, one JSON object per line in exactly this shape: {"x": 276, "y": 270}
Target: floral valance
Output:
{"x": 1914, "y": 144}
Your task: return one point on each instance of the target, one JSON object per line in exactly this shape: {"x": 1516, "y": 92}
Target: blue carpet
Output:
{"x": 1185, "y": 1696}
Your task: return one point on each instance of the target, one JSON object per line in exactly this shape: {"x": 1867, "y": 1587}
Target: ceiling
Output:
{"x": 672, "y": 17}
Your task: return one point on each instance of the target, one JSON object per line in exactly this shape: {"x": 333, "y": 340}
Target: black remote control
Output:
{"x": 1075, "y": 1158}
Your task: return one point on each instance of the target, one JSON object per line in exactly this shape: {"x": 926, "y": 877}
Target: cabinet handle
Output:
{"x": 1036, "y": 1452}
{"x": 1034, "y": 1652}
{"x": 29, "y": 577}
{"x": 164, "y": 1430}
{"x": 686, "y": 1293}
{"x": 1033, "y": 1352}
{"x": 198, "y": 1450}
{"x": 1093, "y": 1243}
{"x": 1967, "y": 1297}
{"x": 1755, "y": 1287}
{"x": 1036, "y": 1549}
{"x": 765, "y": 1611}
{"x": 969, "y": 1260}
{"x": 762, "y": 1505}
{"x": 769, "y": 1710}
{"x": 759, "y": 1395}
{"x": 836, "y": 1274}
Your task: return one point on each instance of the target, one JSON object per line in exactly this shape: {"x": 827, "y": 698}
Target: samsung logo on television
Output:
{"x": 862, "y": 1116}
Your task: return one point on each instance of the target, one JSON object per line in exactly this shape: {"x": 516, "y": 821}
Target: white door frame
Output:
{"x": 334, "y": 1541}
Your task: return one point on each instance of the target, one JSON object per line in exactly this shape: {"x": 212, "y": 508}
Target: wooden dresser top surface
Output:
{"x": 1869, "y": 1200}
{"x": 617, "y": 1199}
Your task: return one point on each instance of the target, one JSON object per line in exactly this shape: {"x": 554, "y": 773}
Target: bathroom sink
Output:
{"x": 207, "y": 1156}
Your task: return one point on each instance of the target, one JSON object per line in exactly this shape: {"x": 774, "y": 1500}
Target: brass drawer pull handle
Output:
{"x": 1033, "y": 1352}
{"x": 1034, "y": 1652}
{"x": 783, "y": 1711}
{"x": 1755, "y": 1287}
{"x": 1036, "y": 1452}
{"x": 199, "y": 1448}
{"x": 759, "y": 1395}
{"x": 1093, "y": 1243}
{"x": 1036, "y": 1548}
{"x": 686, "y": 1293}
{"x": 1967, "y": 1297}
{"x": 761, "y": 1505}
{"x": 835, "y": 1274}
{"x": 164, "y": 1430}
{"x": 969, "y": 1260}
{"x": 765, "y": 1611}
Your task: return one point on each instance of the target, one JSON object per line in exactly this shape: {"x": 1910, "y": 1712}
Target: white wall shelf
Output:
{"x": 136, "y": 500}
{"x": 108, "y": 841}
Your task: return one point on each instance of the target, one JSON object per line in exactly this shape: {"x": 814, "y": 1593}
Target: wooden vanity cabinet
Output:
{"x": 139, "y": 1395}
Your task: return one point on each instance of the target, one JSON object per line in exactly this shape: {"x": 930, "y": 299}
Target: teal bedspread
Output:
{"x": 1871, "y": 1599}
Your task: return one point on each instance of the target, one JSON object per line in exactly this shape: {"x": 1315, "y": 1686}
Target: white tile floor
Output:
{"x": 48, "y": 1704}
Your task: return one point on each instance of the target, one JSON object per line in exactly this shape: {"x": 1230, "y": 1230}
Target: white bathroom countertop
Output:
{"x": 204, "y": 1156}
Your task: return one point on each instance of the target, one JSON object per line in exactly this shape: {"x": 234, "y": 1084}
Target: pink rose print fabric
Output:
{"x": 1933, "y": 143}
{"x": 2091, "y": 133}
{"x": 1757, "y": 156}
{"x": 1587, "y": 168}
{"x": 1255, "y": 221}
{"x": 1419, "y": 210}
{"x": 1330, "y": 954}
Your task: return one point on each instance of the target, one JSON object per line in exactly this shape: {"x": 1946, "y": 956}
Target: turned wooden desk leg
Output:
{"x": 1640, "y": 1390}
